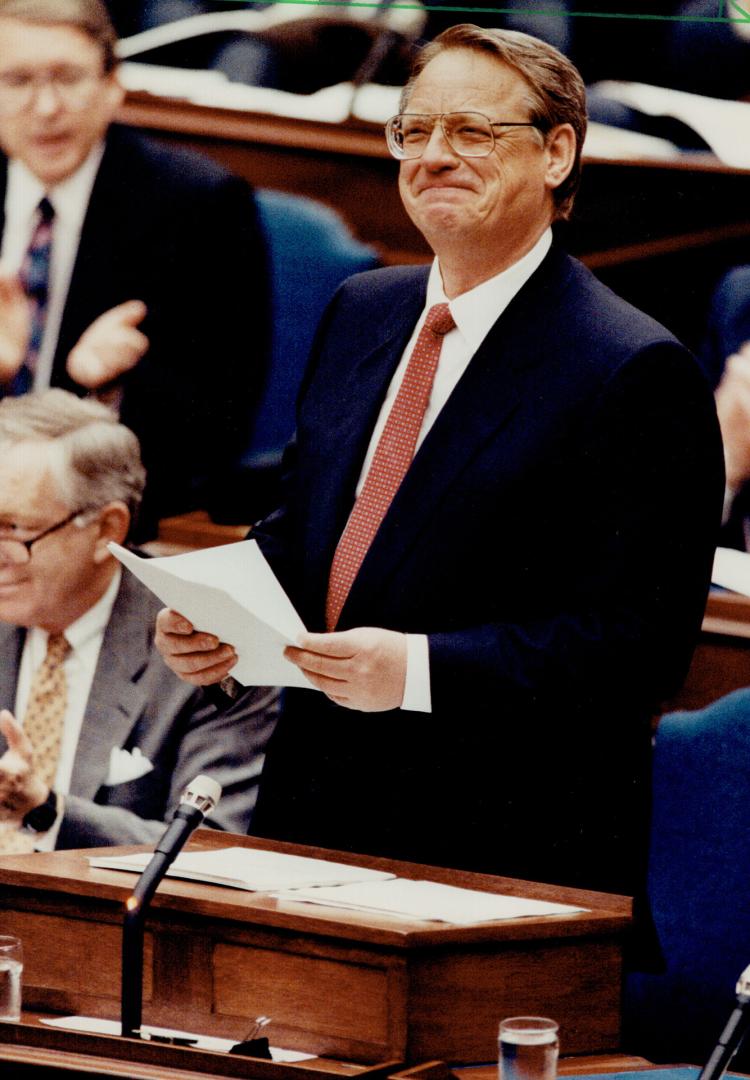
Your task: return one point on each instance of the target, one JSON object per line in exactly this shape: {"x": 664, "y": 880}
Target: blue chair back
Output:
{"x": 699, "y": 883}
{"x": 311, "y": 251}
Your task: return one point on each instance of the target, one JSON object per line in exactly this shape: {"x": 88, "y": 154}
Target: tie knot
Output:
{"x": 58, "y": 648}
{"x": 46, "y": 210}
{"x": 439, "y": 319}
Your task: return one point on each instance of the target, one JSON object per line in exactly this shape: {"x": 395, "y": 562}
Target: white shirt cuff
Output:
{"x": 417, "y": 696}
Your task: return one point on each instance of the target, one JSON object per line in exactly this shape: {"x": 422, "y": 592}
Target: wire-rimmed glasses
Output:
{"x": 73, "y": 86}
{"x": 469, "y": 134}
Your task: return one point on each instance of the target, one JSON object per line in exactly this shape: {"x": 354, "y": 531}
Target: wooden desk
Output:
{"x": 34, "y": 1050}
{"x": 721, "y": 662}
{"x": 352, "y": 986}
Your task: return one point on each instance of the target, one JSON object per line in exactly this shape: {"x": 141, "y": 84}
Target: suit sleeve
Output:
{"x": 226, "y": 745}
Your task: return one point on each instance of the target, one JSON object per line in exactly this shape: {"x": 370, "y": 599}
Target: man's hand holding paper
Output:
{"x": 233, "y": 595}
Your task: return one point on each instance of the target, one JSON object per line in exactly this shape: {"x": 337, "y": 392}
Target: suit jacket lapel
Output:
{"x": 482, "y": 404}
{"x": 11, "y": 646}
{"x": 3, "y": 188}
{"x": 116, "y": 699}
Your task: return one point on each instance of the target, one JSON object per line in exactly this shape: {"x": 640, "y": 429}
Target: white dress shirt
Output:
{"x": 70, "y": 200}
{"x": 474, "y": 312}
{"x": 85, "y": 638}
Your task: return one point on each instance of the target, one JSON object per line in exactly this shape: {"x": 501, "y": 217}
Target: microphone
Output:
{"x": 197, "y": 800}
{"x": 733, "y": 1033}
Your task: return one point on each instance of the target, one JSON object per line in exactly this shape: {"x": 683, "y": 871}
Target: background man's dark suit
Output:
{"x": 553, "y": 536}
{"x": 135, "y": 701}
{"x": 176, "y": 231}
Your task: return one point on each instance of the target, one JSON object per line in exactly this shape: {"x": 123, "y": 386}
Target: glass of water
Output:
{"x": 528, "y": 1048}
{"x": 11, "y": 966}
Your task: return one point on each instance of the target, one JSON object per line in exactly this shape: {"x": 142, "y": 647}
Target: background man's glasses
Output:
{"x": 469, "y": 134}
{"x": 73, "y": 86}
{"x": 19, "y": 551}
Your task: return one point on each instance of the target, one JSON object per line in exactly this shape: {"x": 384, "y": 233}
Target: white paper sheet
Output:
{"x": 96, "y": 1026}
{"x": 232, "y": 592}
{"x": 248, "y": 868}
{"x": 732, "y": 570}
{"x": 429, "y": 900}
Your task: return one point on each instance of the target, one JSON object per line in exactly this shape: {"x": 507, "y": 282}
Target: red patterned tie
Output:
{"x": 392, "y": 458}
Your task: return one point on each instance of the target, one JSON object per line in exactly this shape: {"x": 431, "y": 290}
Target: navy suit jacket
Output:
{"x": 175, "y": 230}
{"x": 553, "y": 538}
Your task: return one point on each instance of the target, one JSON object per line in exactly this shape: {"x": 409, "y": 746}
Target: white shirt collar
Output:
{"x": 476, "y": 311}
{"x": 94, "y": 621}
{"x": 25, "y": 190}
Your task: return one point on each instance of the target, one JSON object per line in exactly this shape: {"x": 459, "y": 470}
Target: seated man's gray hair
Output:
{"x": 98, "y": 459}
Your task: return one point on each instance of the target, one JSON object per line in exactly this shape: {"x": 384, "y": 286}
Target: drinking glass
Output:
{"x": 528, "y": 1048}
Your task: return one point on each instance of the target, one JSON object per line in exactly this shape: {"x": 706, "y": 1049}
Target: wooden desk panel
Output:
{"x": 349, "y": 985}
{"x": 34, "y": 1050}
{"x": 721, "y": 662}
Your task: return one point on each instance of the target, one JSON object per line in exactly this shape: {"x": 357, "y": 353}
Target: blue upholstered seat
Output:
{"x": 699, "y": 882}
{"x": 311, "y": 252}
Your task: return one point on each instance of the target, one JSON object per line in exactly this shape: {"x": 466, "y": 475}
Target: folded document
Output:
{"x": 247, "y": 868}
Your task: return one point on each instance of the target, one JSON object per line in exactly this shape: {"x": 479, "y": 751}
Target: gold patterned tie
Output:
{"x": 43, "y": 724}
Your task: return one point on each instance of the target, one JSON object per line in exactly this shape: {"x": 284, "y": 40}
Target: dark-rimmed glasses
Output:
{"x": 469, "y": 134}
{"x": 19, "y": 551}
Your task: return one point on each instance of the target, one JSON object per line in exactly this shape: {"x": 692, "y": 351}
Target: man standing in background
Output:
{"x": 144, "y": 267}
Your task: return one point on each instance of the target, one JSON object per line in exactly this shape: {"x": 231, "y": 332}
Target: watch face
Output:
{"x": 42, "y": 818}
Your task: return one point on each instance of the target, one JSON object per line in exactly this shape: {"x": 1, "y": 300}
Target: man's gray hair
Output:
{"x": 89, "y": 16}
{"x": 557, "y": 94}
{"x": 97, "y": 459}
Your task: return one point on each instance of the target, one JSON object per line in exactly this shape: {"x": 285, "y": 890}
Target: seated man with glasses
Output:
{"x": 125, "y": 268}
{"x": 500, "y": 514}
{"x": 97, "y": 737}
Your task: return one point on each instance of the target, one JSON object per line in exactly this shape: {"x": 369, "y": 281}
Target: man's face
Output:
{"x": 61, "y": 579}
{"x": 50, "y": 134}
{"x": 503, "y": 201}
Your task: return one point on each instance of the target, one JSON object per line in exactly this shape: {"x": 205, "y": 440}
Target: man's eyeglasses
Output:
{"x": 469, "y": 134}
{"x": 19, "y": 551}
{"x": 73, "y": 86}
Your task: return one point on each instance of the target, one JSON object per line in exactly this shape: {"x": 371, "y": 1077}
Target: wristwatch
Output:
{"x": 42, "y": 817}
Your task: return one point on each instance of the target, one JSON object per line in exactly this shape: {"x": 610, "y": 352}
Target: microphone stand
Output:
{"x": 733, "y": 1033}
{"x": 198, "y": 799}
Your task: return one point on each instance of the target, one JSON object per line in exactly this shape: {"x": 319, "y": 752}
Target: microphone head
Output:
{"x": 203, "y": 793}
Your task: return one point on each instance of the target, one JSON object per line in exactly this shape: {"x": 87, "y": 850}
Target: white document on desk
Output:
{"x": 232, "y": 592}
{"x": 428, "y": 900}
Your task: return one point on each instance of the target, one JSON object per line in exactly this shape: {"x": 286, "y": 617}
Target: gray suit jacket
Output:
{"x": 135, "y": 701}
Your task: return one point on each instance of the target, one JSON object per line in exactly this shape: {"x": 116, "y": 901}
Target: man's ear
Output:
{"x": 113, "y": 523}
{"x": 560, "y": 149}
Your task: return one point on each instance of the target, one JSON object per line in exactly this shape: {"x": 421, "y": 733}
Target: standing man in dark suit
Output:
{"x": 97, "y": 741}
{"x": 497, "y": 614}
{"x": 149, "y": 281}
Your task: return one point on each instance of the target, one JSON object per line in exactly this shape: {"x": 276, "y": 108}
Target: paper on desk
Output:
{"x": 248, "y": 868}
{"x": 232, "y": 592}
{"x": 96, "y": 1026}
{"x": 429, "y": 900}
{"x": 723, "y": 125}
{"x": 732, "y": 570}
